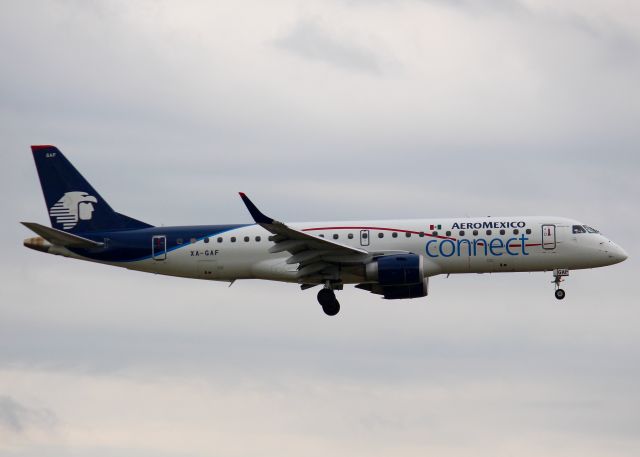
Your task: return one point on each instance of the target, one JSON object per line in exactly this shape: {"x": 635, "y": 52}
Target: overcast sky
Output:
{"x": 321, "y": 110}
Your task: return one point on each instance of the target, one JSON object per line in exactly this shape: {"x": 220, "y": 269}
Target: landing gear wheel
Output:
{"x": 558, "y": 274}
{"x": 328, "y": 301}
{"x": 332, "y": 309}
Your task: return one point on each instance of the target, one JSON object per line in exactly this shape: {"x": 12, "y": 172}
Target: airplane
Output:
{"x": 391, "y": 258}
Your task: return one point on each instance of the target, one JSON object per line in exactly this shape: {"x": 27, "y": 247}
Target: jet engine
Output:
{"x": 396, "y": 276}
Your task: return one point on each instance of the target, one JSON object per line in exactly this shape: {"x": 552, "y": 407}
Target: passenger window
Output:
{"x": 502, "y": 232}
{"x": 394, "y": 234}
{"x": 335, "y": 236}
{"x": 246, "y": 239}
{"x": 488, "y": 232}
{"x": 578, "y": 229}
{"x": 258, "y": 238}
{"x": 516, "y": 231}
{"x": 475, "y": 233}
{"x": 219, "y": 239}
{"x": 380, "y": 235}
{"x": 408, "y": 234}
{"x": 350, "y": 236}
{"x": 448, "y": 232}
{"x": 233, "y": 239}
{"x": 434, "y": 233}
{"x": 528, "y": 231}
{"x": 321, "y": 235}
{"x": 179, "y": 241}
{"x": 206, "y": 239}
{"x": 461, "y": 233}
{"x": 193, "y": 240}
{"x": 421, "y": 234}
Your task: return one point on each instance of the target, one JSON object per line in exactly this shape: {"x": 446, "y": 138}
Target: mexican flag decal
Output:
{"x": 435, "y": 227}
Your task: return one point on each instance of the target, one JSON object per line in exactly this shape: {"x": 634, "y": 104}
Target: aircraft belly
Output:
{"x": 274, "y": 269}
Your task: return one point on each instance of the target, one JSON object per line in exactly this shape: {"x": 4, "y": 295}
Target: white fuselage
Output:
{"x": 462, "y": 245}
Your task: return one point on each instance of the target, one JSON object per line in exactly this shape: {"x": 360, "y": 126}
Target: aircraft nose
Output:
{"x": 622, "y": 254}
{"x": 616, "y": 253}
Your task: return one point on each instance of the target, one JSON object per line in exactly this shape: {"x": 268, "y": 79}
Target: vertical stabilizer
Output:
{"x": 72, "y": 203}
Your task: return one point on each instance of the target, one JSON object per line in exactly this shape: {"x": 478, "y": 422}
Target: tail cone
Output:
{"x": 37, "y": 243}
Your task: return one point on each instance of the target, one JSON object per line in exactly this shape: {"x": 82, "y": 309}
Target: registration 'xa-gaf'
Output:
{"x": 391, "y": 258}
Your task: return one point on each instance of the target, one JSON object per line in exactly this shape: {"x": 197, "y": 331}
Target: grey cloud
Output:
{"x": 483, "y": 5}
{"x": 16, "y": 417}
{"x": 309, "y": 40}
{"x": 621, "y": 43}
{"x": 169, "y": 114}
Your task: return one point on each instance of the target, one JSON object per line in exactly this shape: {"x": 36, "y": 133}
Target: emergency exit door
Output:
{"x": 364, "y": 237}
{"x": 548, "y": 236}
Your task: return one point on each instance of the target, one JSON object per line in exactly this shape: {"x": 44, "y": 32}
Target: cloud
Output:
{"x": 17, "y": 418}
{"x": 307, "y": 39}
{"x": 252, "y": 414}
{"x": 326, "y": 110}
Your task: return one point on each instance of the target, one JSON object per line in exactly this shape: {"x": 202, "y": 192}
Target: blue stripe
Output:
{"x": 135, "y": 245}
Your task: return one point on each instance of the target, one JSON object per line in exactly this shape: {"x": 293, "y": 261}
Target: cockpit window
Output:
{"x": 590, "y": 229}
{"x": 578, "y": 229}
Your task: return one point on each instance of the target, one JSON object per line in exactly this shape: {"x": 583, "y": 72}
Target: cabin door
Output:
{"x": 548, "y": 236}
{"x": 159, "y": 247}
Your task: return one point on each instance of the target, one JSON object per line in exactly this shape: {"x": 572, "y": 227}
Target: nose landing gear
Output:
{"x": 558, "y": 274}
{"x": 329, "y": 302}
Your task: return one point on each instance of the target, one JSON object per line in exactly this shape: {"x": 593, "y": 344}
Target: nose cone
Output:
{"x": 616, "y": 253}
{"x": 621, "y": 254}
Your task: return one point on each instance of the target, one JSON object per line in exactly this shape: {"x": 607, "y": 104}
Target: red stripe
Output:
{"x": 387, "y": 229}
{"x": 38, "y": 147}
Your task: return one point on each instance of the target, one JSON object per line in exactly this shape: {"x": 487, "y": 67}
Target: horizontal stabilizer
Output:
{"x": 60, "y": 238}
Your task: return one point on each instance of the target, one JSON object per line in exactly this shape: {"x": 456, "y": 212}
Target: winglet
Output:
{"x": 255, "y": 212}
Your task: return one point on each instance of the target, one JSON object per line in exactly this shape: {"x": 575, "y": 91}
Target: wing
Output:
{"x": 316, "y": 257}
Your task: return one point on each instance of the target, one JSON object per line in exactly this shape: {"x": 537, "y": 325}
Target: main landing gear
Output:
{"x": 328, "y": 301}
{"x": 558, "y": 274}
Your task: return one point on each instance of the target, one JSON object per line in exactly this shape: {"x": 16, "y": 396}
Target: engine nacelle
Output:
{"x": 396, "y": 270}
{"x": 398, "y": 292}
{"x": 397, "y": 277}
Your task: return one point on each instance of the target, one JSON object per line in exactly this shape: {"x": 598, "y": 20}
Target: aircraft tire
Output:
{"x": 560, "y": 294}
{"x": 328, "y": 301}
{"x": 332, "y": 309}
